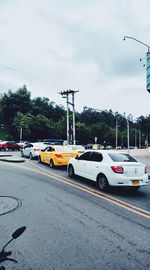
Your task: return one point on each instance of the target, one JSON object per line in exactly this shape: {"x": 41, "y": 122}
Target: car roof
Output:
{"x": 105, "y": 152}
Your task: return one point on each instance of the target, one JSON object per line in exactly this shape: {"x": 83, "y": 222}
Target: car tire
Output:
{"x": 51, "y": 164}
{"x": 22, "y": 155}
{"x": 30, "y": 156}
{"x": 102, "y": 182}
{"x": 71, "y": 171}
{"x": 39, "y": 159}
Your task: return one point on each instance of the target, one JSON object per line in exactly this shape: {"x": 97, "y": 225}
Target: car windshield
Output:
{"x": 121, "y": 157}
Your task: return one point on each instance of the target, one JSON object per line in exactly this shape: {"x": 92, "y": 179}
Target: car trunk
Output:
{"x": 133, "y": 169}
{"x": 68, "y": 155}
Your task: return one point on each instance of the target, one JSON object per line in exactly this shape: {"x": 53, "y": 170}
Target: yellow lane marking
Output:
{"x": 128, "y": 206}
{"x": 97, "y": 192}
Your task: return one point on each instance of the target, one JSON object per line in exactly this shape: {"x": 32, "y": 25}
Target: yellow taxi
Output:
{"x": 56, "y": 155}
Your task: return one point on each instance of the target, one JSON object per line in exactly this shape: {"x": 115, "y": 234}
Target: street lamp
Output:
{"x": 138, "y": 41}
{"x": 147, "y": 57}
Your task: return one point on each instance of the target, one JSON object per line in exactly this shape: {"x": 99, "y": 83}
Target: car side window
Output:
{"x": 28, "y": 146}
{"x": 95, "y": 156}
{"x": 85, "y": 156}
{"x": 49, "y": 149}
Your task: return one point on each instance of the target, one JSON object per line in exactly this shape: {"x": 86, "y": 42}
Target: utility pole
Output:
{"x": 128, "y": 135}
{"x": 116, "y": 133}
{"x": 20, "y": 134}
{"x": 65, "y": 94}
{"x": 129, "y": 118}
{"x": 135, "y": 137}
{"x": 139, "y": 138}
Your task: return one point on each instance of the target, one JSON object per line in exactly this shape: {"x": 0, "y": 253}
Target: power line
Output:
{"x": 32, "y": 80}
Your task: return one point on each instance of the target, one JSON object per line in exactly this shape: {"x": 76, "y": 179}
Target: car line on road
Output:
{"x": 96, "y": 193}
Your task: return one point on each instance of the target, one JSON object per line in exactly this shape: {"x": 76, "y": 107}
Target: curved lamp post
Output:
{"x": 138, "y": 41}
{"x": 148, "y": 60}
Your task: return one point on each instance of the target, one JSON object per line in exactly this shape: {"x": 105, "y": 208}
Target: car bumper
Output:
{"x": 119, "y": 180}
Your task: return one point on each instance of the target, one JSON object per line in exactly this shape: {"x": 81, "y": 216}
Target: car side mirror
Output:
{"x": 77, "y": 157}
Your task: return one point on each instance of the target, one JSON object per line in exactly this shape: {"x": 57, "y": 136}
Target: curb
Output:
{"x": 5, "y": 155}
{"x": 12, "y": 160}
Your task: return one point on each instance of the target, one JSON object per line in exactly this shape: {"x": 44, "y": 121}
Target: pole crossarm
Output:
{"x": 67, "y": 92}
{"x": 138, "y": 41}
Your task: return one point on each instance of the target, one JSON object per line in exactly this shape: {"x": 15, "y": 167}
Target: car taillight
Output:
{"x": 35, "y": 149}
{"x": 117, "y": 169}
{"x": 58, "y": 156}
{"x": 145, "y": 169}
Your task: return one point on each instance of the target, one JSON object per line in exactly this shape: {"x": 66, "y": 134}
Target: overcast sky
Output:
{"x": 54, "y": 45}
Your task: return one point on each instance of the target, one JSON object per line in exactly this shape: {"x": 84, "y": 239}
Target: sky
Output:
{"x": 56, "y": 45}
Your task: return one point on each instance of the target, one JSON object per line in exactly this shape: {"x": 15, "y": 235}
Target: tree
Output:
{"x": 13, "y": 102}
{"x": 82, "y": 133}
{"x": 41, "y": 128}
{"x": 22, "y": 121}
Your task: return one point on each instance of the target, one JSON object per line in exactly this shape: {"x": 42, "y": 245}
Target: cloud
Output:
{"x": 53, "y": 45}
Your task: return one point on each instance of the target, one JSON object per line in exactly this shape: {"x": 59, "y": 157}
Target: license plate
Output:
{"x": 135, "y": 182}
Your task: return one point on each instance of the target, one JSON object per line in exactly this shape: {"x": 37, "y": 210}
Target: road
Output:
{"x": 70, "y": 224}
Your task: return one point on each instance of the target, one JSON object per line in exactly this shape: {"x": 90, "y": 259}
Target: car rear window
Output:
{"x": 63, "y": 149}
{"x": 121, "y": 157}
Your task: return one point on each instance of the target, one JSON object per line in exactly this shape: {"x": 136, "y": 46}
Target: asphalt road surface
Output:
{"x": 70, "y": 224}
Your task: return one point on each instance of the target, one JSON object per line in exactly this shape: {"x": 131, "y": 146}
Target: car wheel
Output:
{"x": 22, "y": 155}
{"x": 71, "y": 171}
{"x": 39, "y": 159}
{"x": 30, "y": 156}
{"x": 102, "y": 182}
{"x": 6, "y": 149}
{"x": 51, "y": 164}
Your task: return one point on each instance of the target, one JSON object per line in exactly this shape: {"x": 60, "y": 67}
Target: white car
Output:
{"x": 109, "y": 168}
{"x": 32, "y": 150}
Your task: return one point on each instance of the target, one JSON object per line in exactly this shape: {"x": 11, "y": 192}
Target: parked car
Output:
{"x": 97, "y": 147}
{"x": 89, "y": 146}
{"x": 22, "y": 144}
{"x": 57, "y": 155}
{"x": 9, "y": 145}
{"x": 109, "y": 168}
{"x": 32, "y": 150}
{"x": 77, "y": 148}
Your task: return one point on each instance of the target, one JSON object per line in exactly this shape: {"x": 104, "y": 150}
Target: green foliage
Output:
{"x": 37, "y": 127}
{"x": 3, "y": 134}
{"x": 40, "y": 118}
{"x": 61, "y": 128}
{"x": 82, "y": 133}
{"x": 13, "y": 102}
